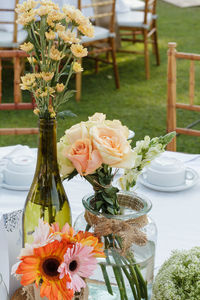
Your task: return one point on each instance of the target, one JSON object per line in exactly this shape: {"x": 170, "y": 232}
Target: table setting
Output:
{"x": 89, "y": 216}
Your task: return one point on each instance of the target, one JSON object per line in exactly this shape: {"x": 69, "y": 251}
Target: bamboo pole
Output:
{"x": 171, "y": 94}
{"x": 17, "y": 69}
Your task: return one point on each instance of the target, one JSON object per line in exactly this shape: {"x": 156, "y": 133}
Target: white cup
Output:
{"x": 19, "y": 171}
{"x": 166, "y": 171}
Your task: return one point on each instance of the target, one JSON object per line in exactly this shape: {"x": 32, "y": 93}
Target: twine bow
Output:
{"x": 129, "y": 231}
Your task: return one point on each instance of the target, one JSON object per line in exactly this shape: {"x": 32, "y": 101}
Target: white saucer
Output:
{"x": 188, "y": 183}
{"x": 14, "y": 188}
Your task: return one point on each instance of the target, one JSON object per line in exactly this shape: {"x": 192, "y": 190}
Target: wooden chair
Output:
{"x": 172, "y": 105}
{"x": 16, "y": 55}
{"x": 134, "y": 23}
{"x": 103, "y": 40}
{"x": 12, "y": 35}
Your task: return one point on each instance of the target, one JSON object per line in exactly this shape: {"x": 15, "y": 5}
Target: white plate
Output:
{"x": 14, "y": 188}
{"x": 188, "y": 183}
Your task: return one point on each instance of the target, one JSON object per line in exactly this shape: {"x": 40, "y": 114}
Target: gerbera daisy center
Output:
{"x": 50, "y": 266}
{"x": 73, "y": 265}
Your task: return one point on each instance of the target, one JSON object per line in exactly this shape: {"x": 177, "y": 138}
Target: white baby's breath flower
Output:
{"x": 179, "y": 277}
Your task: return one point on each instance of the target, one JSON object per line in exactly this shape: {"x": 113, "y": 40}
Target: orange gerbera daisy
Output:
{"x": 88, "y": 239}
{"x": 42, "y": 268}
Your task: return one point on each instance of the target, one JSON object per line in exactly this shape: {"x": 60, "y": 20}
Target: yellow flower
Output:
{"x": 50, "y": 90}
{"x": 28, "y": 47}
{"x": 38, "y": 75}
{"x": 43, "y": 94}
{"x": 77, "y": 67}
{"x": 36, "y": 111}
{"x": 74, "y": 14}
{"x": 32, "y": 60}
{"x": 54, "y": 16}
{"x": 78, "y": 50}
{"x": 47, "y": 76}
{"x": 52, "y": 112}
{"x": 60, "y": 87}
{"x": 28, "y": 79}
{"x": 26, "y": 18}
{"x": 87, "y": 30}
{"x": 26, "y": 6}
{"x": 50, "y": 4}
{"x": 24, "y": 87}
{"x": 43, "y": 10}
{"x": 50, "y": 35}
{"x": 68, "y": 36}
{"x": 55, "y": 54}
{"x": 60, "y": 27}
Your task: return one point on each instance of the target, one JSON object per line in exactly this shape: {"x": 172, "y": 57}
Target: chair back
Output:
{"x": 5, "y": 20}
{"x": 150, "y": 7}
{"x": 172, "y": 104}
{"x": 104, "y": 12}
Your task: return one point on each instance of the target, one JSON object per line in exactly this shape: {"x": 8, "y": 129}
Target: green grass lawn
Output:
{"x": 139, "y": 104}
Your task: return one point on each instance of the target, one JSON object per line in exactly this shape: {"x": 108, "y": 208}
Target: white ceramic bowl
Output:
{"x": 166, "y": 171}
{"x": 19, "y": 171}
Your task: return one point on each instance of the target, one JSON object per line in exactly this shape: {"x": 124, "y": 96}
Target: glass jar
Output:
{"x": 127, "y": 271}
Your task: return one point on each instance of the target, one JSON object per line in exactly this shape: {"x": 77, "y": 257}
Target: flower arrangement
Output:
{"x": 58, "y": 261}
{"x": 54, "y": 49}
{"x": 179, "y": 277}
{"x": 95, "y": 147}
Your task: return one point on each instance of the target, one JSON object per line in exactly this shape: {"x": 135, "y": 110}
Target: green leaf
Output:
{"x": 107, "y": 199}
{"x": 111, "y": 190}
{"x": 106, "y": 278}
{"x": 98, "y": 204}
{"x": 66, "y": 113}
{"x": 111, "y": 210}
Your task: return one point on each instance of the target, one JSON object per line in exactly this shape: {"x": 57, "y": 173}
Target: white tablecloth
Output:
{"x": 176, "y": 213}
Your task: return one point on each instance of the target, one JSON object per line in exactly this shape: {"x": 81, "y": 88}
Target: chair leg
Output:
{"x": 78, "y": 83}
{"x": 96, "y": 65}
{"x": 17, "y": 72}
{"x": 155, "y": 36}
{"x": 146, "y": 53}
{"x": 115, "y": 68}
{"x": 0, "y": 80}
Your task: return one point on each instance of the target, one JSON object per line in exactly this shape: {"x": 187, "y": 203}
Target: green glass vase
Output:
{"x": 46, "y": 199}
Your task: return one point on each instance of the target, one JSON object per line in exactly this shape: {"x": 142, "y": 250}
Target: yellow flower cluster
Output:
{"x": 75, "y": 15}
{"x": 77, "y": 67}
{"x": 26, "y": 6}
{"x": 68, "y": 36}
{"x": 54, "y": 39}
{"x": 78, "y": 50}
{"x": 54, "y": 16}
{"x": 28, "y": 81}
{"x": 28, "y": 47}
{"x": 55, "y": 54}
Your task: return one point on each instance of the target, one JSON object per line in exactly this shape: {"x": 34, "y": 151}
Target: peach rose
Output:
{"x": 65, "y": 165}
{"x": 113, "y": 146}
{"x": 76, "y": 132}
{"x": 84, "y": 158}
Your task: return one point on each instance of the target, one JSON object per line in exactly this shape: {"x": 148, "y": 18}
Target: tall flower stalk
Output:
{"x": 54, "y": 49}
